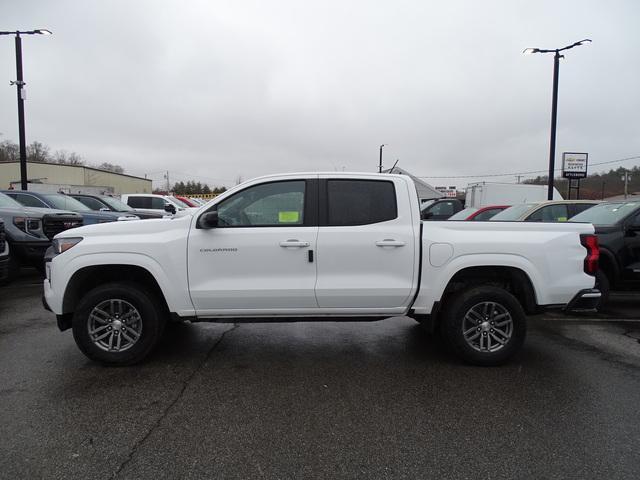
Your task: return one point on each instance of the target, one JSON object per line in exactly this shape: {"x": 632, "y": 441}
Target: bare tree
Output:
{"x": 37, "y": 152}
{"x": 111, "y": 167}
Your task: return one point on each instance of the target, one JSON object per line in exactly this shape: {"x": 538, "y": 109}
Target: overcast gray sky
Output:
{"x": 215, "y": 89}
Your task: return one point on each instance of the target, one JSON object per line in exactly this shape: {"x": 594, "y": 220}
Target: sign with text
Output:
{"x": 574, "y": 165}
{"x": 449, "y": 192}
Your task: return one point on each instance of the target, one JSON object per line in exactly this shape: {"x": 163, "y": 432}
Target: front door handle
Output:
{"x": 293, "y": 244}
{"x": 390, "y": 242}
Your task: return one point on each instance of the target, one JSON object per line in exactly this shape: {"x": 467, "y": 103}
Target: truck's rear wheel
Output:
{"x": 118, "y": 323}
{"x": 484, "y": 325}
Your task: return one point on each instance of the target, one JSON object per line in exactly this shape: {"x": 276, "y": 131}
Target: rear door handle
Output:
{"x": 390, "y": 242}
{"x": 293, "y": 244}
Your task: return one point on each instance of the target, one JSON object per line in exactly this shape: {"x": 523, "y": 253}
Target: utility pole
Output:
{"x": 168, "y": 184}
{"x": 518, "y": 178}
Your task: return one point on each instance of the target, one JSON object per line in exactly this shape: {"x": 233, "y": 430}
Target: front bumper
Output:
{"x": 33, "y": 251}
{"x": 586, "y": 300}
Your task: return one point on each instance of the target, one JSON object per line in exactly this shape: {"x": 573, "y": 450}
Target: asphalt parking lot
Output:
{"x": 320, "y": 400}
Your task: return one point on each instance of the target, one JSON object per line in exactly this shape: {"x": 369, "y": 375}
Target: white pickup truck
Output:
{"x": 302, "y": 247}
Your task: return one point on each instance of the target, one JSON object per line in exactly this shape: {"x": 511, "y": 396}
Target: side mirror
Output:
{"x": 170, "y": 209}
{"x": 427, "y": 215}
{"x": 208, "y": 220}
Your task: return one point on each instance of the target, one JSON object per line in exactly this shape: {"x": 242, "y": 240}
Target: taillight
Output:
{"x": 590, "y": 242}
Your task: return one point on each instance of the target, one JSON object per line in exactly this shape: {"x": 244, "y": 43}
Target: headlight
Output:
{"x": 26, "y": 224}
{"x": 61, "y": 245}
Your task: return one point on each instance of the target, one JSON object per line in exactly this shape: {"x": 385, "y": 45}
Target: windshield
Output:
{"x": 424, "y": 205}
{"x": 65, "y": 202}
{"x": 116, "y": 204}
{"x": 512, "y": 213}
{"x": 606, "y": 213}
{"x": 6, "y": 201}
{"x": 463, "y": 214}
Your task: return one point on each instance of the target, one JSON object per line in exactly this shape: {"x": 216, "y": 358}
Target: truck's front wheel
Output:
{"x": 484, "y": 325}
{"x": 117, "y": 323}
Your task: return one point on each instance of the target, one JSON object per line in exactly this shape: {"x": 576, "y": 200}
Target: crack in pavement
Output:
{"x": 166, "y": 411}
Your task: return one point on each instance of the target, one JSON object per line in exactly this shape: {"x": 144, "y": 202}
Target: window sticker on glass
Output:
{"x": 288, "y": 217}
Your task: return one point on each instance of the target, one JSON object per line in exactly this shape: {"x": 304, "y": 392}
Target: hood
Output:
{"x": 115, "y": 229}
{"x": 37, "y": 212}
{"x": 106, "y": 216}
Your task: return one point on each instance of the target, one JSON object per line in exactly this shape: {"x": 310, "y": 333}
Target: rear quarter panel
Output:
{"x": 550, "y": 254}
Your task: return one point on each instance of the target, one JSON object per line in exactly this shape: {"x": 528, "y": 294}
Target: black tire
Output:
{"x": 13, "y": 268}
{"x": 149, "y": 311}
{"x": 457, "y": 316}
{"x": 603, "y": 284}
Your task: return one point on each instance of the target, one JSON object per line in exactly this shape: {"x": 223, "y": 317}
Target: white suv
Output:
{"x": 152, "y": 202}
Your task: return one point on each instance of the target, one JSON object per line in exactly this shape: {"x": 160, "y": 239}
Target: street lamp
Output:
{"x": 19, "y": 83}
{"x": 380, "y": 164}
{"x": 554, "y": 104}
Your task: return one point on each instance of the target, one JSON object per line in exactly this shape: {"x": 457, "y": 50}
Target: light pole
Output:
{"x": 380, "y": 164}
{"x": 19, "y": 83}
{"x": 626, "y": 177}
{"x": 554, "y": 104}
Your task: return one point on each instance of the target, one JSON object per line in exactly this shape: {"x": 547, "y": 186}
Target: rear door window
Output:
{"x": 550, "y": 213}
{"x": 360, "y": 202}
{"x": 139, "y": 202}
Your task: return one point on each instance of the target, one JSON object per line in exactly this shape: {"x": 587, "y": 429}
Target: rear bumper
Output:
{"x": 586, "y": 300}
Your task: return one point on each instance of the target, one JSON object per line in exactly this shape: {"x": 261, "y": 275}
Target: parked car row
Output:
{"x": 31, "y": 219}
{"x": 28, "y": 232}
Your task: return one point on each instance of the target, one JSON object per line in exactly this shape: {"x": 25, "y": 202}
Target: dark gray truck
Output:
{"x": 28, "y": 232}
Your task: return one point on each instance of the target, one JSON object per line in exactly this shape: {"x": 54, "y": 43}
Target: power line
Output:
{"x": 515, "y": 174}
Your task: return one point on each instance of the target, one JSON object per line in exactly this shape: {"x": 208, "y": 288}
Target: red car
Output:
{"x": 186, "y": 200}
{"x": 478, "y": 214}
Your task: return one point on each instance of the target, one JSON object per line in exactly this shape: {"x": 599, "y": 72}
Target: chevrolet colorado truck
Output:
{"x": 332, "y": 247}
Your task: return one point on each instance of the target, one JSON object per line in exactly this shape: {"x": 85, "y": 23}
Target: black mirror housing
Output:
{"x": 170, "y": 209}
{"x": 208, "y": 220}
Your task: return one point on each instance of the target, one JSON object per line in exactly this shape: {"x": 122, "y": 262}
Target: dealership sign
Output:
{"x": 574, "y": 165}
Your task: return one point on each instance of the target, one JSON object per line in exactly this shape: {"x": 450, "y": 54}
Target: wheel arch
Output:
{"x": 513, "y": 279}
{"x": 87, "y": 278}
